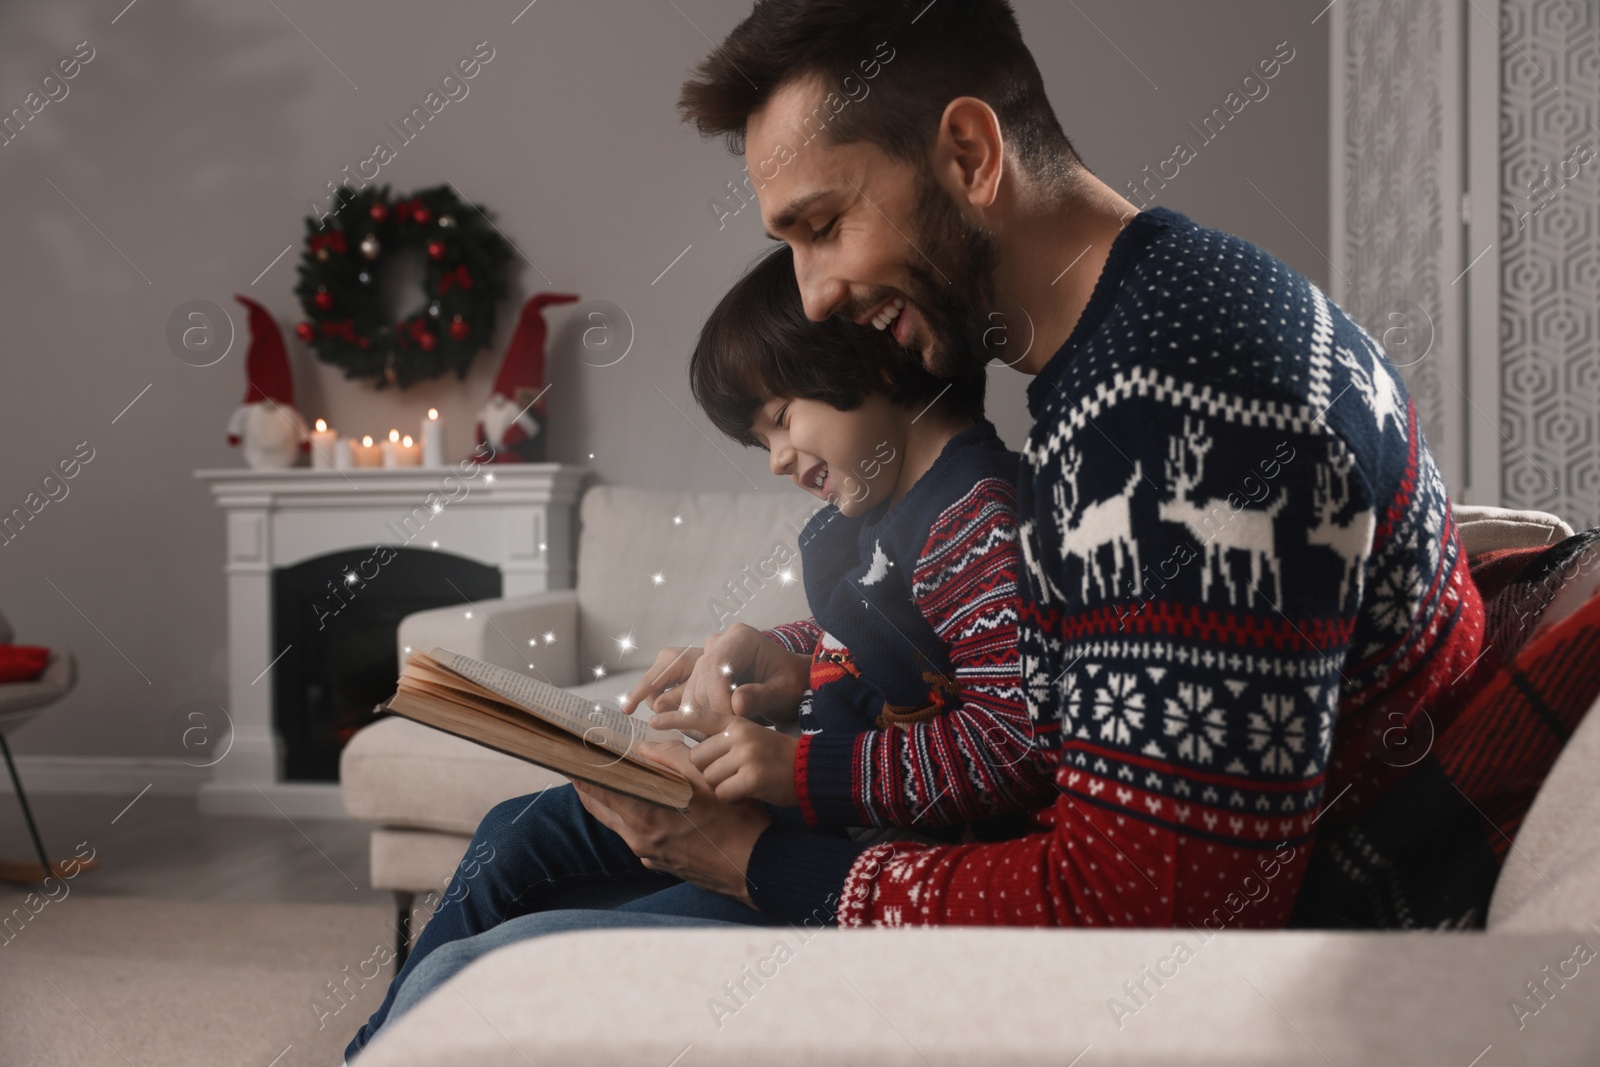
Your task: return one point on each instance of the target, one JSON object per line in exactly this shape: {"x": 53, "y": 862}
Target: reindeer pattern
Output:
{"x": 1084, "y": 529}
{"x": 1218, "y": 527}
{"x": 1351, "y": 537}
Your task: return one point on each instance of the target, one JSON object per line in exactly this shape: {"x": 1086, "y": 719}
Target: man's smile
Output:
{"x": 894, "y": 314}
{"x": 888, "y": 313}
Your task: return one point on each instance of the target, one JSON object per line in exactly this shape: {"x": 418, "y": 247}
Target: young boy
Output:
{"x": 916, "y": 717}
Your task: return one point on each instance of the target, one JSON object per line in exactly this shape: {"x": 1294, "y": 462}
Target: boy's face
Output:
{"x": 850, "y": 458}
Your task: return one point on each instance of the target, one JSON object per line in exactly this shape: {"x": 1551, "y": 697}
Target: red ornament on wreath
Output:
{"x": 341, "y": 297}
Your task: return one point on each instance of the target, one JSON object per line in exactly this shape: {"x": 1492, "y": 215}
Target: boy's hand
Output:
{"x": 740, "y": 760}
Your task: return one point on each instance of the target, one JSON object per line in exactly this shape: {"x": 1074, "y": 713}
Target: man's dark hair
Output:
{"x": 940, "y": 51}
{"x": 758, "y": 344}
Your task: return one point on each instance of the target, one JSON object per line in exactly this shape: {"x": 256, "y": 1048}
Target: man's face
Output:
{"x": 875, "y": 240}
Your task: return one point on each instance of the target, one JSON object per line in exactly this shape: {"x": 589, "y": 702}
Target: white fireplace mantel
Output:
{"x": 517, "y": 517}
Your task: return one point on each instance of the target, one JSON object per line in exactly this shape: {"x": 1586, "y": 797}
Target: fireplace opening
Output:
{"x": 337, "y": 615}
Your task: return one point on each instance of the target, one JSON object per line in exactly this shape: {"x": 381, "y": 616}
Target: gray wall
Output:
{"x": 182, "y": 161}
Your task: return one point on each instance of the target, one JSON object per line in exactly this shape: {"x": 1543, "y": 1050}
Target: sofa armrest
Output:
{"x": 750, "y": 996}
{"x": 1484, "y": 529}
{"x": 499, "y": 631}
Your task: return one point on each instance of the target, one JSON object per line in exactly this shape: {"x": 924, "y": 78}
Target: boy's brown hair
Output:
{"x": 758, "y": 344}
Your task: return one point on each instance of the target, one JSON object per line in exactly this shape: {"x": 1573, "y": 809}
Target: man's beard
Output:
{"x": 953, "y": 283}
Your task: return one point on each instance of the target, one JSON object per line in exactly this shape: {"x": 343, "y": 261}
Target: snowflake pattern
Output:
{"x": 1197, "y": 723}
{"x": 1069, "y": 697}
{"x": 1277, "y": 733}
{"x": 1396, "y": 597}
{"x": 1119, "y": 708}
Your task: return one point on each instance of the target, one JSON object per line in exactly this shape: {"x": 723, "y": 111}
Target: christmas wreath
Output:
{"x": 463, "y": 281}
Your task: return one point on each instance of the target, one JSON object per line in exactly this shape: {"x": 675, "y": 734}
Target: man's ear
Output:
{"x": 969, "y": 151}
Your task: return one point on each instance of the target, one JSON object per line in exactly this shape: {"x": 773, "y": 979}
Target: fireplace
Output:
{"x": 337, "y": 615}
{"x": 306, "y": 663}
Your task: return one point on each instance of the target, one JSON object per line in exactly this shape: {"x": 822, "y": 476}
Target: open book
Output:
{"x": 527, "y": 718}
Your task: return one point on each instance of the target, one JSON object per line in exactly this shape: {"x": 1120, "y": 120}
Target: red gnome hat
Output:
{"x": 508, "y": 421}
{"x": 266, "y": 366}
{"x": 524, "y": 363}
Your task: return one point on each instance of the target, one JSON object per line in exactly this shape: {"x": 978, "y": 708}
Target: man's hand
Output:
{"x": 709, "y": 846}
{"x": 740, "y": 760}
{"x": 673, "y": 667}
{"x": 738, "y": 672}
{"x": 747, "y": 674}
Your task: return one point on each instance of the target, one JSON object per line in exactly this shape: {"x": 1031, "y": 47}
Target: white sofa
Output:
{"x": 956, "y": 996}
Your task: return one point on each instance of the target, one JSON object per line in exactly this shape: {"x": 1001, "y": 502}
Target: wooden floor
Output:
{"x": 163, "y": 847}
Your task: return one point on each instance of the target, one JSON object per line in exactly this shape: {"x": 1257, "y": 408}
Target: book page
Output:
{"x": 597, "y": 723}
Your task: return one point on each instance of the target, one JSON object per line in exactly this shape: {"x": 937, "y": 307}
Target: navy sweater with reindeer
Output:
{"x": 1242, "y": 585}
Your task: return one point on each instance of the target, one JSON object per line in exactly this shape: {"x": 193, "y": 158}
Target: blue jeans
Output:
{"x": 540, "y": 864}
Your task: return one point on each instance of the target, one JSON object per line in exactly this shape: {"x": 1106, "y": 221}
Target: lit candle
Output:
{"x": 400, "y": 453}
{"x": 322, "y": 446}
{"x": 365, "y": 453}
{"x": 433, "y": 439}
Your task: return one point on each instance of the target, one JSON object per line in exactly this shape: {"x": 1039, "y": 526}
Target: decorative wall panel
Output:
{"x": 1549, "y": 252}
{"x": 1396, "y": 189}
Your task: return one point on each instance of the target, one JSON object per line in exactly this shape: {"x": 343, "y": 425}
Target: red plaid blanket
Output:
{"x": 1429, "y": 853}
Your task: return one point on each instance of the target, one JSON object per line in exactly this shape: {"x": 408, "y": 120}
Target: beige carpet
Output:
{"x": 160, "y": 983}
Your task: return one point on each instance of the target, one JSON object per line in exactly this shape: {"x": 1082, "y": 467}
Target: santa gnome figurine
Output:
{"x": 513, "y": 419}
{"x": 266, "y": 423}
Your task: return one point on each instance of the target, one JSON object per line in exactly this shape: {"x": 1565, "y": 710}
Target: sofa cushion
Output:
{"x": 400, "y": 773}
{"x": 396, "y": 772}
{"x": 1484, "y": 528}
{"x": 726, "y": 543}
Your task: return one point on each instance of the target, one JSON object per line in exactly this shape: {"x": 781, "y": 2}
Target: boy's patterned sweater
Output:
{"x": 915, "y": 717}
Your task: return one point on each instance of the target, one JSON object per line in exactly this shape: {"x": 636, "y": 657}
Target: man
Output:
{"x": 1243, "y": 580}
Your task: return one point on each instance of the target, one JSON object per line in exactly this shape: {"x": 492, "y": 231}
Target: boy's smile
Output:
{"x": 849, "y": 458}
